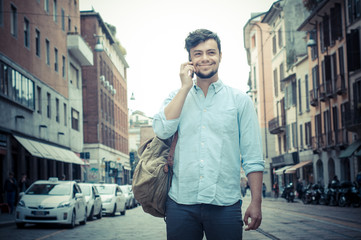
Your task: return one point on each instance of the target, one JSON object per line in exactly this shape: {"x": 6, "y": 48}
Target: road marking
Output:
{"x": 50, "y": 235}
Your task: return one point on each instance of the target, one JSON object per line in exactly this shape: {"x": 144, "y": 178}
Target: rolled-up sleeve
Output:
{"x": 162, "y": 127}
{"x": 250, "y": 138}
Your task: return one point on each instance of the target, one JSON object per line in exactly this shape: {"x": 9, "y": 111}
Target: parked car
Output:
{"x": 51, "y": 201}
{"x": 92, "y": 199}
{"x": 135, "y": 202}
{"x": 113, "y": 198}
{"x": 128, "y": 196}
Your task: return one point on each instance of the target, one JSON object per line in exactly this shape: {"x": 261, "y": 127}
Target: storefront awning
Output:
{"x": 281, "y": 170}
{"x": 350, "y": 149}
{"x": 293, "y": 169}
{"x": 43, "y": 150}
{"x": 358, "y": 154}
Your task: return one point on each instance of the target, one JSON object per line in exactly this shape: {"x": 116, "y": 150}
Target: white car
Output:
{"x": 51, "y": 201}
{"x": 128, "y": 196}
{"x": 92, "y": 199}
{"x": 113, "y": 198}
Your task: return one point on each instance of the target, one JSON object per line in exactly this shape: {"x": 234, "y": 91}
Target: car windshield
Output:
{"x": 125, "y": 189}
{"x": 85, "y": 189}
{"x": 105, "y": 190}
{"x": 49, "y": 189}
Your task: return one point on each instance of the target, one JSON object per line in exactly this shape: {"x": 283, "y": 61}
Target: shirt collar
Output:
{"x": 217, "y": 86}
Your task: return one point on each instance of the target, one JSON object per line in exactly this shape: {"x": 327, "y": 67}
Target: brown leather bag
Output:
{"x": 153, "y": 174}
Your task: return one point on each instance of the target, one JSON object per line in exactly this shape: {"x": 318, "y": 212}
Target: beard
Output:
{"x": 209, "y": 75}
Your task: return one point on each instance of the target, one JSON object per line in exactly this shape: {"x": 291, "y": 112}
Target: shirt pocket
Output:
{"x": 225, "y": 121}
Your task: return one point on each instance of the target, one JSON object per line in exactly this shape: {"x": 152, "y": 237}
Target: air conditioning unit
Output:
{"x": 102, "y": 79}
{"x": 111, "y": 88}
{"x": 106, "y": 84}
{"x": 114, "y": 91}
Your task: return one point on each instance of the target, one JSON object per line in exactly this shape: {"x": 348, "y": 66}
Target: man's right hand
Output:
{"x": 186, "y": 75}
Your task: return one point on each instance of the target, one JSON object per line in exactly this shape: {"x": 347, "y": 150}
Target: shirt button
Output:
{"x": 202, "y": 161}
{"x": 203, "y": 127}
{"x": 202, "y": 145}
{"x": 204, "y": 110}
{"x": 201, "y": 177}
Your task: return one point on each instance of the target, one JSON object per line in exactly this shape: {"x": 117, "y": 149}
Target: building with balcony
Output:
{"x": 105, "y": 103}
{"x": 288, "y": 47}
{"x": 256, "y": 35}
{"x": 330, "y": 89}
{"x": 41, "y": 131}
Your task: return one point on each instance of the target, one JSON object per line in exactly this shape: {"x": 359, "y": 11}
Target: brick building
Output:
{"x": 41, "y": 54}
{"x": 105, "y": 103}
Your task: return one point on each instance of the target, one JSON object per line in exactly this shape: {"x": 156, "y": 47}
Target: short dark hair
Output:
{"x": 198, "y": 36}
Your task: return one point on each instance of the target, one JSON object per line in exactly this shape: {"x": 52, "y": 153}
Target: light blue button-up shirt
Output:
{"x": 213, "y": 132}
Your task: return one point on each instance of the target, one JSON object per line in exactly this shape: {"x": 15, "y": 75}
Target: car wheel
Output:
{"x": 20, "y": 225}
{"x": 123, "y": 212}
{"x": 85, "y": 218}
{"x": 114, "y": 210}
{"x": 72, "y": 223}
{"x": 100, "y": 214}
{"x": 91, "y": 215}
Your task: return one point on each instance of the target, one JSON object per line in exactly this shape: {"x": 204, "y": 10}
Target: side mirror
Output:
{"x": 78, "y": 195}
{"x": 97, "y": 195}
{"x": 119, "y": 194}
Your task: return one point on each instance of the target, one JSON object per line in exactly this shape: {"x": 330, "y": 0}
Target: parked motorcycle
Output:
{"x": 307, "y": 194}
{"x": 316, "y": 192}
{"x": 348, "y": 195}
{"x": 288, "y": 193}
{"x": 333, "y": 193}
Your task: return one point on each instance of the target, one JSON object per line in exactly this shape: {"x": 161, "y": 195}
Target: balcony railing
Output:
{"x": 313, "y": 98}
{"x": 322, "y": 92}
{"x": 330, "y": 91}
{"x": 341, "y": 138}
{"x": 340, "y": 85}
{"x": 353, "y": 118}
{"x": 317, "y": 143}
{"x": 276, "y": 125}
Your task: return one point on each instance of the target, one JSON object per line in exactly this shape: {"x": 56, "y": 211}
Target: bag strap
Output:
{"x": 170, "y": 159}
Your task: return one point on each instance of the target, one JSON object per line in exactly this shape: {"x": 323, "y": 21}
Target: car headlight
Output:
{"x": 21, "y": 203}
{"x": 107, "y": 200}
{"x": 64, "y": 204}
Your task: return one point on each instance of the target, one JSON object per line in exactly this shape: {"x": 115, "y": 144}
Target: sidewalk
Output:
{"x": 6, "y": 219}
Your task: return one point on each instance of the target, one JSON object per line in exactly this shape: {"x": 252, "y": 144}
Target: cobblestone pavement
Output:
{"x": 281, "y": 220}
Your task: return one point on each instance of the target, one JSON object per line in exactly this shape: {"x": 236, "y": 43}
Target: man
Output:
{"x": 10, "y": 190}
{"x": 24, "y": 182}
{"x": 216, "y": 124}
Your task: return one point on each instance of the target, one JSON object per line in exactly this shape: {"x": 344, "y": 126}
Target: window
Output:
{"x": 308, "y": 136}
{"x": 63, "y": 67}
{"x": 254, "y": 77}
{"x": 336, "y": 23}
{"x": 354, "y": 52}
{"x": 1, "y": 13}
{"x": 280, "y": 38}
{"x": 46, "y": 6}
{"x": 47, "y": 44}
{"x": 55, "y": 10}
{"x": 26, "y": 33}
{"x": 274, "y": 45}
{"x": 282, "y": 75}
{"x": 288, "y": 138}
{"x": 38, "y": 91}
{"x": 354, "y": 10}
{"x": 335, "y": 118}
{"x": 299, "y": 96}
{"x": 69, "y": 24}
{"x": 65, "y": 115}
{"x": 74, "y": 119}
{"x": 294, "y": 135}
{"x": 325, "y": 33}
{"x": 301, "y": 136}
{"x": 37, "y": 42}
{"x": 57, "y": 118}
{"x": 4, "y": 79}
{"x": 254, "y": 41}
{"x": 275, "y": 82}
{"x": 56, "y": 65}
{"x": 62, "y": 20}
{"x": 74, "y": 76}
{"x": 14, "y": 21}
{"x": 307, "y": 94}
{"x": 48, "y": 106}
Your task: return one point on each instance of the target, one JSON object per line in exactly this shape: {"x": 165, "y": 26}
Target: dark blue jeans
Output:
{"x": 11, "y": 200}
{"x": 192, "y": 221}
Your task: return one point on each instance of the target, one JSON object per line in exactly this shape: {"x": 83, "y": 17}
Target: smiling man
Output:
{"x": 216, "y": 124}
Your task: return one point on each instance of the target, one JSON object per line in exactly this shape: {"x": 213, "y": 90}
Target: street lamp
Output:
{"x": 98, "y": 47}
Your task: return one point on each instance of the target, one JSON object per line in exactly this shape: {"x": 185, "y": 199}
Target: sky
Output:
{"x": 153, "y": 34}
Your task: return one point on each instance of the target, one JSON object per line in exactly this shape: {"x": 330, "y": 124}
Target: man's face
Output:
{"x": 206, "y": 58}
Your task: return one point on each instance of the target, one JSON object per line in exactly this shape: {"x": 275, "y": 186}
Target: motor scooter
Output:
{"x": 307, "y": 194}
{"x": 288, "y": 193}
